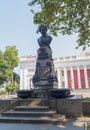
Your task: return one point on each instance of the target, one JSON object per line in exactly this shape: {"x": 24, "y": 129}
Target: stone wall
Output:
{"x": 86, "y": 108}
{"x": 70, "y": 107}
{"x": 7, "y": 104}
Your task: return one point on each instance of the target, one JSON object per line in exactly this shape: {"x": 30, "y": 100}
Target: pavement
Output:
{"x": 38, "y": 127}
{"x": 84, "y": 92}
{"x": 69, "y": 124}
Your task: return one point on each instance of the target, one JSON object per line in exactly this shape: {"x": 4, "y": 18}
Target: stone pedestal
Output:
{"x": 42, "y": 91}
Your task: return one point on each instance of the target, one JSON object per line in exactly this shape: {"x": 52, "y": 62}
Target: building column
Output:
{"x": 65, "y": 77}
{"x": 25, "y": 79}
{"x": 72, "y": 77}
{"x": 21, "y": 78}
{"x": 59, "y": 78}
{"x": 85, "y": 75}
{"x": 79, "y": 80}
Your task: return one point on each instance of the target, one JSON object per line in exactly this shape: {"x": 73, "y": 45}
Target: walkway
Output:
{"x": 71, "y": 124}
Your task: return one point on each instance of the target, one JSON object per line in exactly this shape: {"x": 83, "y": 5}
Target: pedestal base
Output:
{"x": 42, "y": 91}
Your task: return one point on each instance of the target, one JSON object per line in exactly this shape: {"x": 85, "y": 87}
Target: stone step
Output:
{"x": 14, "y": 113}
{"x": 31, "y": 108}
{"x": 39, "y": 120}
{"x": 31, "y": 114}
{"x": 33, "y": 102}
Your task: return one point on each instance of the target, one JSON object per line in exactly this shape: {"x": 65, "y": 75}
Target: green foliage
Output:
{"x": 2, "y": 92}
{"x": 86, "y": 99}
{"x": 66, "y": 17}
{"x": 3, "y": 68}
{"x": 11, "y": 56}
{"x": 12, "y": 87}
{"x": 16, "y": 78}
{"x": 88, "y": 126}
{"x": 8, "y": 60}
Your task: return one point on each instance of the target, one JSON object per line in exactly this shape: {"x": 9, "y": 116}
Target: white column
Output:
{"x": 25, "y": 79}
{"x": 85, "y": 75}
{"x": 59, "y": 78}
{"x": 79, "y": 80}
{"x": 72, "y": 78}
{"x": 65, "y": 77}
{"x": 21, "y": 78}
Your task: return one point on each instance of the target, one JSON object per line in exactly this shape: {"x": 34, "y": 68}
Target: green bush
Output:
{"x": 86, "y": 99}
{"x": 2, "y": 92}
{"x": 12, "y": 88}
{"x": 88, "y": 126}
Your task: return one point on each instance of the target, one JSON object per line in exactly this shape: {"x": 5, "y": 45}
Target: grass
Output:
{"x": 88, "y": 126}
{"x": 86, "y": 99}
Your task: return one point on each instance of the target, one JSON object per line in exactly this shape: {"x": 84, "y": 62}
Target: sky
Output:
{"x": 17, "y": 28}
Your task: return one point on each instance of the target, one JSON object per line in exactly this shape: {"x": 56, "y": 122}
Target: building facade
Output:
{"x": 73, "y": 71}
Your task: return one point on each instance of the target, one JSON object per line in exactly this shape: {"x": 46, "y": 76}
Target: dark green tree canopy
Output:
{"x": 65, "y": 16}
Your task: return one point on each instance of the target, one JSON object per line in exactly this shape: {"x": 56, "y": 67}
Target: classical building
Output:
{"x": 73, "y": 71}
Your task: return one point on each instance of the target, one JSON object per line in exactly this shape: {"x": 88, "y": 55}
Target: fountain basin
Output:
{"x": 25, "y": 93}
{"x": 59, "y": 93}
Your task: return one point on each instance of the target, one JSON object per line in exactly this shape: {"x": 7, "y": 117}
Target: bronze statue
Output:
{"x": 45, "y": 77}
{"x": 44, "y": 40}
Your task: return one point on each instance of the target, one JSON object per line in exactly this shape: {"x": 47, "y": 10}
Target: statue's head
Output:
{"x": 43, "y": 29}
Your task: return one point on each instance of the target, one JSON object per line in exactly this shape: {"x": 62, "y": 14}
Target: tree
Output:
{"x": 9, "y": 80}
{"x": 11, "y": 57}
{"x": 66, "y": 17}
{"x": 3, "y": 69}
{"x": 16, "y": 77}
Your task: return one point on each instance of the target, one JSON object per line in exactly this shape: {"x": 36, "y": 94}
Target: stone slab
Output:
{"x": 70, "y": 107}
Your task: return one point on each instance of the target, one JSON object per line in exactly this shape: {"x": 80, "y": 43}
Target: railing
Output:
{"x": 67, "y": 58}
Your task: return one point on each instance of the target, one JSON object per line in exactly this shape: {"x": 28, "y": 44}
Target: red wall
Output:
{"x": 69, "y": 78}
{"x": 88, "y": 74}
{"x": 75, "y": 79}
{"x": 82, "y": 79}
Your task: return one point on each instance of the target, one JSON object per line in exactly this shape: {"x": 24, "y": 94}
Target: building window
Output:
{"x": 62, "y": 73}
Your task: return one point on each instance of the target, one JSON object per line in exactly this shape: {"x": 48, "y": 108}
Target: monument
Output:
{"x": 45, "y": 85}
{"x": 45, "y": 77}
